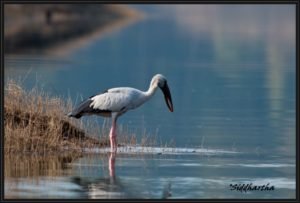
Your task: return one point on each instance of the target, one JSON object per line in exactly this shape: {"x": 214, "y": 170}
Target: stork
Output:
{"x": 116, "y": 101}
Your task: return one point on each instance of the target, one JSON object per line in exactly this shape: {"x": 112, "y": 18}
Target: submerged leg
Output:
{"x": 113, "y": 134}
{"x": 112, "y": 165}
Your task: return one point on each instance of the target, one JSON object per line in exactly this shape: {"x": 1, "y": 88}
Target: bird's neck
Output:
{"x": 146, "y": 95}
{"x": 150, "y": 92}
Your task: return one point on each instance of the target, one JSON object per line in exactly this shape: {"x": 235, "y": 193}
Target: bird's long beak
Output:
{"x": 165, "y": 89}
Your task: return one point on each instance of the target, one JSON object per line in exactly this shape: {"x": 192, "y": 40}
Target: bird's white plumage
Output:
{"x": 118, "y": 99}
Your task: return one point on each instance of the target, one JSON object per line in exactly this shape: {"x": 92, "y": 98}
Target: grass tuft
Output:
{"x": 36, "y": 122}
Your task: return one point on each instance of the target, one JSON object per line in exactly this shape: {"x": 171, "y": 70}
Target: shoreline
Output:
{"x": 131, "y": 17}
{"x": 70, "y": 27}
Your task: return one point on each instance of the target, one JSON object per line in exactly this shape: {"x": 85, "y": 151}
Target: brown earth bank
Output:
{"x": 36, "y": 122}
{"x": 36, "y": 28}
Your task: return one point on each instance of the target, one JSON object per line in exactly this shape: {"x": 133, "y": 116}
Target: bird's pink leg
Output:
{"x": 113, "y": 135}
{"x": 113, "y": 140}
{"x": 112, "y": 165}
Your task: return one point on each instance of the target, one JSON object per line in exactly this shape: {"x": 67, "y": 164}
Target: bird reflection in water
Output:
{"x": 110, "y": 187}
{"x": 103, "y": 188}
{"x": 113, "y": 188}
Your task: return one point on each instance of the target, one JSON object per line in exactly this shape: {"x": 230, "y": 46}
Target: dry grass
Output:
{"x": 35, "y": 122}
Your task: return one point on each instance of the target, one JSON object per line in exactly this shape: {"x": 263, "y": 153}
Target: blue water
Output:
{"x": 231, "y": 71}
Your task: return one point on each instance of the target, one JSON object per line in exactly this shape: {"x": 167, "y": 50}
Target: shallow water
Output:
{"x": 231, "y": 71}
{"x": 179, "y": 173}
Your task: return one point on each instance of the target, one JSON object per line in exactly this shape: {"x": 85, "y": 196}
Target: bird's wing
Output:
{"x": 115, "y": 99}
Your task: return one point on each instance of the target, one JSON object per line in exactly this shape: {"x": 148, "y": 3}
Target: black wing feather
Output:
{"x": 84, "y": 108}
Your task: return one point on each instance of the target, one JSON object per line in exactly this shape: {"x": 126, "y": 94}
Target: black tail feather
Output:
{"x": 74, "y": 115}
{"x": 82, "y": 108}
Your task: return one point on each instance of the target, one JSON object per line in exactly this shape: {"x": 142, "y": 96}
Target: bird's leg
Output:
{"x": 113, "y": 134}
{"x": 113, "y": 140}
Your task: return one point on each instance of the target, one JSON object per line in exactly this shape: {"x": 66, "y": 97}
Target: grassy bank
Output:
{"x": 47, "y": 28}
{"x": 36, "y": 122}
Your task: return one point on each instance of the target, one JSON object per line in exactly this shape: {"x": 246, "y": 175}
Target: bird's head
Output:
{"x": 160, "y": 81}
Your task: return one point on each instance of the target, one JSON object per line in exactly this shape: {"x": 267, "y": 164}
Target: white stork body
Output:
{"x": 116, "y": 101}
{"x": 120, "y": 99}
